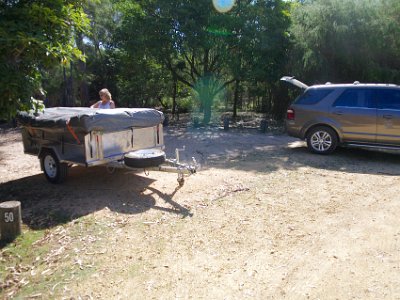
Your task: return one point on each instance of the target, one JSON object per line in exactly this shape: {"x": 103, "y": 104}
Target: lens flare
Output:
{"x": 223, "y": 6}
{"x": 220, "y": 32}
{"x": 208, "y": 93}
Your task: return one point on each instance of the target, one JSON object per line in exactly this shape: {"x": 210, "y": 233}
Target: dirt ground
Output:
{"x": 262, "y": 219}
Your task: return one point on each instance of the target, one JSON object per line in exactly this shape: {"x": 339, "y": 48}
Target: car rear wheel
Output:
{"x": 322, "y": 140}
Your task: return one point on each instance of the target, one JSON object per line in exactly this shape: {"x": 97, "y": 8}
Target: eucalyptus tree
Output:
{"x": 202, "y": 48}
{"x": 99, "y": 44}
{"x": 35, "y": 35}
{"x": 178, "y": 35}
{"x": 265, "y": 44}
{"x": 347, "y": 40}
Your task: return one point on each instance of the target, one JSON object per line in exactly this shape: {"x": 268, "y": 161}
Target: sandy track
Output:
{"x": 262, "y": 219}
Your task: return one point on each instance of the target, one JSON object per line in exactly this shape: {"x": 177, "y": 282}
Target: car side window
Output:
{"x": 313, "y": 96}
{"x": 355, "y": 98}
{"x": 388, "y": 98}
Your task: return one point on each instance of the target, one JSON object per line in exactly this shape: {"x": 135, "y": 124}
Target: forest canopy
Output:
{"x": 188, "y": 55}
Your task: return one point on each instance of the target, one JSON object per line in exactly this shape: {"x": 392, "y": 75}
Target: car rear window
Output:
{"x": 313, "y": 96}
{"x": 355, "y": 98}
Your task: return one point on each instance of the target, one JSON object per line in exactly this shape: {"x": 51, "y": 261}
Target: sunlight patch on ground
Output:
{"x": 296, "y": 144}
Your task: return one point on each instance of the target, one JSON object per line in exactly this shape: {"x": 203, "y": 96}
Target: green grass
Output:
{"x": 26, "y": 255}
{"x": 21, "y": 253}
{"x": 22, "y": 247}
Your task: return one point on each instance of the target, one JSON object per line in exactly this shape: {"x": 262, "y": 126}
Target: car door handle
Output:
{"x": 338, "y": 112}
{"x": 387, "y": 116}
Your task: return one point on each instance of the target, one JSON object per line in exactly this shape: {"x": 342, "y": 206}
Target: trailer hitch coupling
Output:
{"x": 175, "y": 166}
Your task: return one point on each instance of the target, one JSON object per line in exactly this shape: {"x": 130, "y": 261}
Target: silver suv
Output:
{"x": 359, "y": 115}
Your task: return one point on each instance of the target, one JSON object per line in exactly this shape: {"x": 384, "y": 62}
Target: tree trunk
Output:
{"x": 175, "y": 82}
{"x": 235, "y": 100}
{"x": 207, "y": 113}
{"x": 70, "y": 87}
{"x": 84, "y": 93}
{"x": 206, "y": 99}
{"x": 83, "y": 86}
{"x": 65, "y": 95}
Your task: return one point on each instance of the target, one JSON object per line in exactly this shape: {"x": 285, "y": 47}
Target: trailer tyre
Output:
{"x": 146, "y": 158}
{"x": 54, "y": 171}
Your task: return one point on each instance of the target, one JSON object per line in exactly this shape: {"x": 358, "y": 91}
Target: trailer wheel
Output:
{"x": 145, "y": 158}
{"x": 54, "y": 171}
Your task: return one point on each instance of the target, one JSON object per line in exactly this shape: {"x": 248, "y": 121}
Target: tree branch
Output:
{"x": 223, "y": 86}
{"x": 214, "y": 63}
{"x": 192, "y": 66}
{"x": 179, "y": 77}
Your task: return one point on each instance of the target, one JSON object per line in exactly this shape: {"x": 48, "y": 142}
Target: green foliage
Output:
{"x": 186, "y": 105}
{"x": 204, "y": 49}
{"x": 141, "y": 82}
{"x": 152, "y": 52}
{"x": 347, "y": 40}
{"x": 34, "y": 36}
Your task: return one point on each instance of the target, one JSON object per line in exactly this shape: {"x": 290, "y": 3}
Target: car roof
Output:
{"x": 355, "y": 85}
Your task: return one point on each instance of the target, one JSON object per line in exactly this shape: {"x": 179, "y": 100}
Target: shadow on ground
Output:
{"x": 85, "y": 191}
{"x": 348, "y": 160}
{"x": 251, "y": 150}
{"x": 89, "y": 190}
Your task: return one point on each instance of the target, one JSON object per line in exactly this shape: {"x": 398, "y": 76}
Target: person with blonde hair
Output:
{"x": 106, "y": 100}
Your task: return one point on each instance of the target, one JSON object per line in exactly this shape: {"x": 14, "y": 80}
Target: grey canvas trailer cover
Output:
{"x": 124, "y": 137}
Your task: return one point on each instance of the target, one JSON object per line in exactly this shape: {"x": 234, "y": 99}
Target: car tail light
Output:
{"x": 290, "y": 114}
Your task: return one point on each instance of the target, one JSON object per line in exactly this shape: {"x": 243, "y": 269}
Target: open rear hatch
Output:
{"x": 295, "y": 82}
